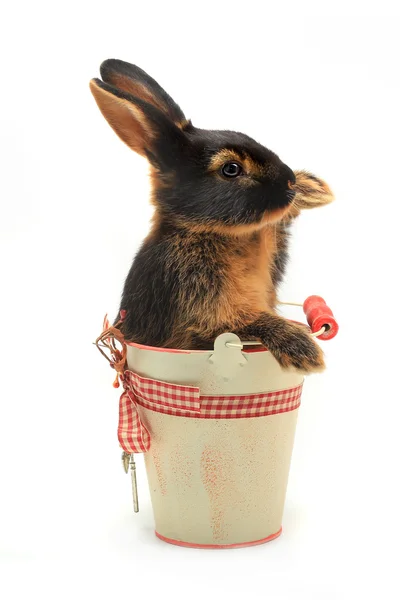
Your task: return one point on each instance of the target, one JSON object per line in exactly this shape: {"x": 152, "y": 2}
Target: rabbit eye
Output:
{"x": 231, "y": 169}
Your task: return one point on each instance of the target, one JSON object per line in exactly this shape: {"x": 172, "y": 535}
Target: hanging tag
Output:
{"x": 125, "y": 461}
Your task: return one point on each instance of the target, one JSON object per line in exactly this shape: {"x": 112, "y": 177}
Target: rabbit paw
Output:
{"x": 294, "y": 347}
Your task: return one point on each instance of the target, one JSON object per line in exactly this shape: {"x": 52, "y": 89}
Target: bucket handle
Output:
{"x": 319, "y": 317}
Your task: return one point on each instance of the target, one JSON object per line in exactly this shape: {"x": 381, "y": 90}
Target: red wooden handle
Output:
{"x": 318, "y": 315}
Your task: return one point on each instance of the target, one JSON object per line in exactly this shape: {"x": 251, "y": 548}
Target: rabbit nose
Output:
{"x": 288, "y": 177}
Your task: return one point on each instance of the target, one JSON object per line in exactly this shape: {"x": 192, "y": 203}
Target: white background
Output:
{"x": 321, "y": 89}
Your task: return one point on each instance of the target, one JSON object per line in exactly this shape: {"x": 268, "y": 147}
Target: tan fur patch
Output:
{"x": 183, "y": 124}
{"x": 248, "y": 289}
{"x": 221, "y": 157}
{"x": 269, "y": 218}
{"x": 158, "y": 181}
{"x": 251, "y": 167}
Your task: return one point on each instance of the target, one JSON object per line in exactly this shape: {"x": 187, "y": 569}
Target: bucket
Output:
{"x": 217, "y": 429}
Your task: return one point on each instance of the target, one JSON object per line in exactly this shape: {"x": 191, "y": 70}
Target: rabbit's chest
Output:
{"x": 252, "y": 274}
{"x": 249, "y": 284}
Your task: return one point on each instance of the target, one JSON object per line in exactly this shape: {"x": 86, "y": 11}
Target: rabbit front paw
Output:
{"x": 294, "y": 348}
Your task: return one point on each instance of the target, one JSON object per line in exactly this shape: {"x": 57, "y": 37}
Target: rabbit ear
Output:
{"x": 311, "y": 191}
{"x": 133, "y": 80}
{"x": 140, "y": 125}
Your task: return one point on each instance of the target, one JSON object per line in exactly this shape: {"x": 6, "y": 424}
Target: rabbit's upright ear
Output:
{"x": 140, "y": 112}
{"x": 133, "y": 80}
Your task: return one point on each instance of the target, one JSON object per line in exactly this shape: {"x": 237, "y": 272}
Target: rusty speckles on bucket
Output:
{"x": 217, "y": 474}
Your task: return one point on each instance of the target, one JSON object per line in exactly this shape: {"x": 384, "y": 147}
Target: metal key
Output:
{"x": 134, "y": 484}
{"x": 128, "y": 460}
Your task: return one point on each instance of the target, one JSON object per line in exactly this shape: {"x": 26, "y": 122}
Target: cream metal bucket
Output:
{"x": 217, "y": 482}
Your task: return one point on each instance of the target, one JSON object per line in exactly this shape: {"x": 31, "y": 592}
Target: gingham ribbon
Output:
{"x": 132, "y": 434}
{"x": 185, "y": 401}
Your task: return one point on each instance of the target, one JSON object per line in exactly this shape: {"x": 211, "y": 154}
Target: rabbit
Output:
{"x": 218, "y": 244}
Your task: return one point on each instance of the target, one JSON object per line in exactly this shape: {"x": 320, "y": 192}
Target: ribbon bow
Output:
{"x": 160, "y": 396}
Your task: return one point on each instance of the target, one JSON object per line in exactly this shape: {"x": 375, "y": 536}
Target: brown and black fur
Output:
{"x": 218, "y": 246}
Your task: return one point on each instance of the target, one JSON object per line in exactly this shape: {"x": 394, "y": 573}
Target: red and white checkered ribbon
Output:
{"x": 158, "y": 396}
{"x": 185, "y": 401}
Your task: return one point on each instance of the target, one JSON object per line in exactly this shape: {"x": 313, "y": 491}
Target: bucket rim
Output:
{"x": 183, "y": 351}
{"x": 246, "y": 349}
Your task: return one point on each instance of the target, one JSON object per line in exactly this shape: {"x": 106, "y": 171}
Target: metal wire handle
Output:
{"x": 314, "y": 334}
